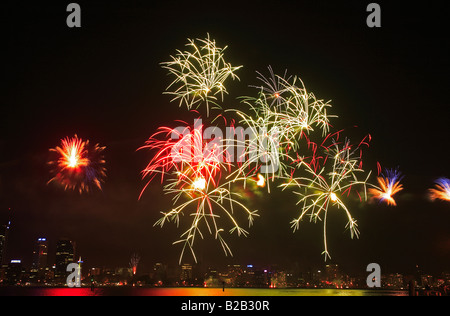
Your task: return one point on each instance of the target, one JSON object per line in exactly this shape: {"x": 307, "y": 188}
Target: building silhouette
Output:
{"x": 65, "y": 251}
{"x": 40, "y": 254}
{"x": 14, "y": 271}
{"x": 39, "y": 264}
{"x": 4, "y": 232}
{"x": 3, "y": 239}
{"x": 186, "y": 272}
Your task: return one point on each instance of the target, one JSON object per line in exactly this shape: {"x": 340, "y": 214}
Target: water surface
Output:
{"x": 191, "y": 291}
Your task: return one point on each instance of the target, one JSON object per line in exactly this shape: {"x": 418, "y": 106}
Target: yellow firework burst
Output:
{"x": 323, "y": 189}
{"x": 200, "y": 73}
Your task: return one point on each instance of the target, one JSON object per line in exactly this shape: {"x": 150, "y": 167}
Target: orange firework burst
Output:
{"x": 441, "y": 190}
{"x": 78, "y": 164}
{"x": 72, "y": 153}
{"x": 389, "y": 185}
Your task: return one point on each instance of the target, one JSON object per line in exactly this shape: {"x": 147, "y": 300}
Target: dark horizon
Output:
{"x": 103, "y": 82}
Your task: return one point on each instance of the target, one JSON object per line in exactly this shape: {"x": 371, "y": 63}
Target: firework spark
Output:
{"x": 207, "y": 202}
{"x": 134, "y": 262}
{"x": 200, "y": 73}
{"x": 78, "y": 164}
{"x": 184, "y": 151}
{"x": 389, "y": 185}
{"x": 286, "y": 102}
{"x": 261, "y": 181}
{"x": 282, "y": 115}
{"x": 273, "y": 87}
{"x": 322, "y": 189}
{"x": 193, "y": 169}
{"x": 260, "y": 152}
{"x": 441, "y": 190}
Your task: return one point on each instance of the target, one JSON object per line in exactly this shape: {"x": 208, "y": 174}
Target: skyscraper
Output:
{"x": 40, "y": 254}
{"x": 39, "y": 264}
{"x": 14, "y": 272}
{"x": 64, "y": 256}
{"x": 186, "y": 272}
{"x": 4, "y": 230}
{"x": 3, "y": 234}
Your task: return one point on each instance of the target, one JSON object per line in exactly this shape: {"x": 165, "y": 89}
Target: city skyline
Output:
{"x": 61, "y": 256}
{"x": 273, "y": 276}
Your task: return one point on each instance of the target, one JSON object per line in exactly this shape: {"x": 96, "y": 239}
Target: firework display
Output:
{"x": 441, "y": 190}
{"x": 182, "y": 151}
{"x": 327, "y": 186}
{"x": 193, "y": 168}
{"x": 273, "y": 144}
{"x": 286, "y": 102}
{"x": 200, "y": 73}
{"x": 389, "y": 185}
{"x": 278, "y": 136}
{"x": 78, "y": 165}
{"x": 209, "y": 203}
{"x": 134, "y": 262}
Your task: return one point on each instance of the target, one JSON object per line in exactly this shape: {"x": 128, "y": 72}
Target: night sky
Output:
{"x": 103, "y": 82}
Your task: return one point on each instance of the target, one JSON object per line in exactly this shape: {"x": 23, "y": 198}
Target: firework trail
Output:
{"x": 200, "y": 73}
{"x": 260, "y": 149}
{"x": 273, "y": 142}
{"x": 193, "y": 169}
{"x": 273, "y": 87}
{"x": 78, "y": 165}
{"x": 281, "y": 116}
{"x": 389, "y": 185}
{"x": 441, "y": 190}
{"x": 327, "y": 186}
{"x": 207, "y": 202}
{"x": 183, "y": 152}
{"x": 134, "y": 262}
{"x": 286, "y": 102}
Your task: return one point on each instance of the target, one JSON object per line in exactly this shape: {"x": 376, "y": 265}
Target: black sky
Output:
{"x": 103, "y": 82}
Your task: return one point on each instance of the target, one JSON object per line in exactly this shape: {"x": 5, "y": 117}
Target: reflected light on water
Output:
{"x": 195, "y": 291}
